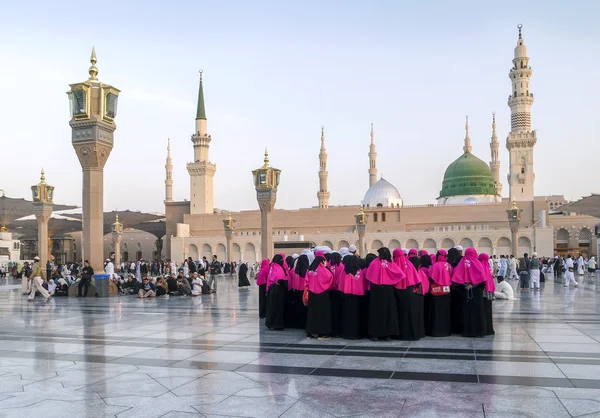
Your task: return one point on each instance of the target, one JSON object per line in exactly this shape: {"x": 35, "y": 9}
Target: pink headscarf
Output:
{"x": 276, "y": 273}
{"x": 412, "y": 276}
{"x": 261, "y": 278}
{"x": 424, "y": 274}
{"x": 353, "y": 284}
{"x": 319, "y": 280}
{"x": 490, "y": 285}
{"x": 433, "y": 258}
{"x": 413, "y": 252}
{"x": 441, "y": 272}
{"x": 470, "y": 270}
{"x": 382, "y": 272}
{"x": 442, "y": 255}
{"x": 292, "y": 279}
{"x": 424, "y": 252}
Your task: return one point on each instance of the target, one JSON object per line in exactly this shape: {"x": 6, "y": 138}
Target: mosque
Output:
{"x": 470, "y": 210}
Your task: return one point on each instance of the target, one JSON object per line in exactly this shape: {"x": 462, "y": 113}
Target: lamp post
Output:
{"x": 266, "y": 181}
{"x": 361, "y": 227}
{"x": 93, "y": 112}
{"x": 514, "y": 217}
{"x": 42, "y": 194}
{"x": 229, "y": 225}
{"x": 117, "y": 233}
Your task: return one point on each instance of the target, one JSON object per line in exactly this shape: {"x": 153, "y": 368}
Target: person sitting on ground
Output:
{"x": 146, "y": 290}
{"x": 51, "y": 287}
{"x": 184, "y": 286}
{"x": 172, "y": 283}
{"x": 504, "y": 290}
{"x": 129, "y": 285}
{"x": 197, "y": 284}
{"x": 162, "y": 288}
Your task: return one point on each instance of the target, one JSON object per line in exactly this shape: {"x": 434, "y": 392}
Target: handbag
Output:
{"x": 305, "y": 297}
{"x": 438, "y": 290}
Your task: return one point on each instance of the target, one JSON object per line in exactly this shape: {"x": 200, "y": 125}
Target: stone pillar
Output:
{"x": 266, "y": 234}
{"x": 116, "y": 239}
{"x": 266, "y": 181}
{"x": 514, "y": 218}
{"x": 229, "y": 225}
{"x": 93, "y": 217}
{"x": 43, "y": 212}
{"x": 361, "y": 228}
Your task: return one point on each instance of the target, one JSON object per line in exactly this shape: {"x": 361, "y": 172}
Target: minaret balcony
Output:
{"x": 201, "y": 168}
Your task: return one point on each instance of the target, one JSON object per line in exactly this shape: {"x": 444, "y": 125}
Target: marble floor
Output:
{"x": 211, "y": 356}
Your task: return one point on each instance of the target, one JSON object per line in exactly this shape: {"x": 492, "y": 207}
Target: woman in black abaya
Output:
{"x": 277, "y": 283}
{"x": 243, "y": 276}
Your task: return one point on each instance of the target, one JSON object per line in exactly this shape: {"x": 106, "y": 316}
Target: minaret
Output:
{"x": 495, "y": 162}
{"x": 521, "y": 139}
{"x": 201, "y": 170}
{"x": 372, "y": 160}
{"x": 323, "y": 194}
{"x": 169, "y": 175}
{"x": 467, "y": 147}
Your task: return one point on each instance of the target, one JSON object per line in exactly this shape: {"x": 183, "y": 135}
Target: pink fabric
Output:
{"x": 338, "y": 272}
{"x": 382, "y": 272}
{"x": 469, "y": 269}
{"x": 424, "y": 252}
{"x": 319, "y": 254}
{"x": 293, "y": 280}
{"x": 276, "y": 273}
{"x": 443, "y": 256}
{"x": 441, "y": 273}
{"x": 412, "y": 276}
{"x": 433, "y": 258}
{"x": 490, "y": 285}
{"x": 320, "y": 280}
{"x": 352, "y": 284}
{"x": 413, "y": 252}
{"x": 367, "y": 282}
{"x": 424, "y": 273}
{"x": 261, "y": 278}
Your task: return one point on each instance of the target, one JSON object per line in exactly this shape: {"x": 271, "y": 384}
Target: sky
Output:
{"x": 275, "y": 72}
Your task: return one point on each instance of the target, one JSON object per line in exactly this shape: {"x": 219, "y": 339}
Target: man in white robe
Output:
{"x": 580, "y": 265}
{"x": 504, "y": 290}
{"x": 512, "y": 264}
{"x": 569, "y": 273}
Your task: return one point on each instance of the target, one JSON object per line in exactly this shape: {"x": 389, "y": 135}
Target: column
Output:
{"x": 42, "y": 214}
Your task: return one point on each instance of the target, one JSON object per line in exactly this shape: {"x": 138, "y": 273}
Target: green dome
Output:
{"x": 468, "y": 175}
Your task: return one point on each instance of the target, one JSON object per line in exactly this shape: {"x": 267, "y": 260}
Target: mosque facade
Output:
{"x": 470, "y": 210}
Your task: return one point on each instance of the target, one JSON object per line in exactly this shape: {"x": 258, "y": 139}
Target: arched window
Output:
{"x": 375, "y": 217}
{"x": 383, "y": 217}
{"x": 379, "y": 205}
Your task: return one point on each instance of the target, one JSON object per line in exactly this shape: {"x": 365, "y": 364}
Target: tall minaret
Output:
{"x": 372, "y": 160}
{"x": 495, "y": 161}
{"x": 323, "y": 194}
{"x": 467, "y": 147}
{"x": 169, "y": 175}
{"x": 201, "y": 170}
{"x": 521, "y": 139}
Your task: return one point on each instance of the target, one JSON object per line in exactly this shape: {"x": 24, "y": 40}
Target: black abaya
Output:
{"x": 318, "y": 321}
{"x": 383, "y": 312}
{"x": 243, "y": 276}
{"x": 351, "y": 316}
{"x": 473, "y": 312}
{"x": 262, "y": 301}
{"x": 489, "y": 322}
{"x": 336, "y": 313}
{"x": 420, "y": 319}
{"x": 276, "y": 305}
{"x": 408, "y": 320}
{"x": 438, "y": 319}
{"x": 456, "y": 308}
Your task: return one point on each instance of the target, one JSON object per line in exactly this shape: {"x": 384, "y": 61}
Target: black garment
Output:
{"x": 318, "y": 320}
{"x": 160, "y": 291}
{"x": 336, "y": 313}
{"x": 473, "y": 312}
{"x": 456, "y": 308}
{"x": 298, "y": 311}
{"x": 489, "y": 322}
{"x": 383, "y": 312}
{"x": 351, "y": 316}
{"x": 420, "y": 314}
{"x": 407, "y": 314}
{"x": 143, "y": 268}
{"x": 172, "y": 284}
{"x": 276, "y": 305}
{"x": 262, "y": 301}
{"x": 87, "y": 272}
{"x": 215, "y": 267}
{"x": 243, "y": 276}
{"x": 85, "y": 284}
{"x": 192, "y": 267}
{"x": 438, "y": 323}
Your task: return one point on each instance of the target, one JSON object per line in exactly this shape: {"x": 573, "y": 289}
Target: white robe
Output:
{"x": 504, "y": 291}
{"x": 580, "y": 265}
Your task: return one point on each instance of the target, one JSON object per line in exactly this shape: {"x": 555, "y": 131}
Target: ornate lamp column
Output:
{"x": 514, "y": 217}
{"x": 266, "y": 181}
{"x": 93, "y": 111}
{"x": 117, "y": 231}
{"x": 361, "y": 228}
{"x": 229, "y": 225}
{"x": 42, "y": 194}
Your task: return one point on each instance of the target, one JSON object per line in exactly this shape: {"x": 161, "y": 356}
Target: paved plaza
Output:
{"x": 211, "y": 356}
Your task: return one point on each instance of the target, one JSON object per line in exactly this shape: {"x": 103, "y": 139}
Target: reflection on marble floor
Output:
{"x": 211, "y": 356}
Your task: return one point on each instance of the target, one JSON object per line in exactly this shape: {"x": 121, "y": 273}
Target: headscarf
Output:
{"x": 412, "y": 276}
{"x": 351, "y": 264}
{"x": 289, "y": 260}
{"x": 490, "y": 285}
{"x": 292, "y": 278}
{"x": 302, "y": 265}
{"x": 454, "y": 257}
{"x": 424, "y": 269}
{"x": 441, "y": 272}
{"x": 263, "y": 273}
{"x": 319, "y": 278}
{"x": 413, "y": 252}
{"x": 442, "y": 255}
{"x": 309, "y": 254}
{"x": 368, "y": 260}
{"x": 277, "y": 271}
{"x": 352, "y": 280}
{"x": 382, "y": 271}
{"x": 470, "y": 270}
{"x": 336, "y": 267}
{"x": 344, "y": 252}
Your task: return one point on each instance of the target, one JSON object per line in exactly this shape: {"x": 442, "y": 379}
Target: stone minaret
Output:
{"x": 521, "y": 139}
{"x": 467, "y": 147}
{"x": 495, "y": 161}
{"x": 323, "y": 194}
{"x": 372, "y": 160}
{"x": 169, "y": 175}
{"x": 201, "y": 170}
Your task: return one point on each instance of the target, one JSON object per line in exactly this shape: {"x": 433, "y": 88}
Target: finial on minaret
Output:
{"x": 322, "y": 133}
{"x": 93, "y": 69}
{"x": 201, "y": 71}
{"x": 467, "y": 147}
{"x": 494, "y": 123}
{"x": 169, "y": 146}
{"x": 372, "y": 133}
{"x": 43, "y": 177}
{"x": 520, "y": 26}
{"x": 266, "y": 158}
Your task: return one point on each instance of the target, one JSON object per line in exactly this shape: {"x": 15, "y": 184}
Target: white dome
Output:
{"x": 383, "y": 193}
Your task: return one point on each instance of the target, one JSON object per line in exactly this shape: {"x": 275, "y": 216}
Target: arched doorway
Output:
{"x": 236, "y": 253}
{"x": 485, "y": 246}
{"x": 249, "y": 253}
{"x": 375, "y": 245}
{"x": 192, "y": 251}
{"x": 467, "y": 243}
{"x": 524, "y": 246}
{"x": 394, "y": 244}
{"x": 430, "y": 246}
{"x": 503, "y": 246}
{"x": 448, "y": 243}
{"x": 343, "y": 244}
{"x": 221, "y": 253}
{"x": 207, "y": 252}
{"x": 412, "y": 243}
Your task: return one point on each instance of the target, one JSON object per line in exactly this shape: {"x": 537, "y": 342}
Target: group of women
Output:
{"x": 405, "y": 295}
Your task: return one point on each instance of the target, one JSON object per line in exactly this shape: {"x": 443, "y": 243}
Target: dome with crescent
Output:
{"x": 382, "y": 194}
